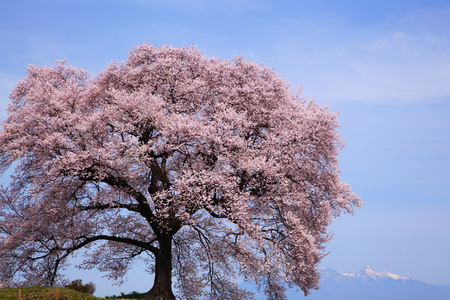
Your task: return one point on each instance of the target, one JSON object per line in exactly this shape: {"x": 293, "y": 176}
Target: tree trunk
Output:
{"x": 162, "y": 286}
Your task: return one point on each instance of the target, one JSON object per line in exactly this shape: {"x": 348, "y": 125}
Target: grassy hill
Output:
{"x": 44, "y": 293}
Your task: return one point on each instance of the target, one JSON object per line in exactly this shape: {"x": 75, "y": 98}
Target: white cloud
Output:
{"x": 402, "y": 59}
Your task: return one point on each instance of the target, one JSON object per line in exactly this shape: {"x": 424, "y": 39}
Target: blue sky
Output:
{"x": 385, "y": 65}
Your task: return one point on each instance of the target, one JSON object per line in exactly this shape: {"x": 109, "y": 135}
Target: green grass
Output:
{"x": 44, "y": 293}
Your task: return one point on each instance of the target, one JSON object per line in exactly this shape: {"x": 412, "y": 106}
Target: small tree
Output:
{"x": 77, "y": 285}
{"x": 205, "y": 168}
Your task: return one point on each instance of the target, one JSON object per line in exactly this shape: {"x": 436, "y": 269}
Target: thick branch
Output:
{"x": 144, "y": 208}
{"x": 88, "y": 240}
{"x": 215, "y": 215}
{"x": 130, "y": 207}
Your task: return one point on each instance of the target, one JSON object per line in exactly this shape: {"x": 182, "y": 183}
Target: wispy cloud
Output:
{"x": 390, "y": 61}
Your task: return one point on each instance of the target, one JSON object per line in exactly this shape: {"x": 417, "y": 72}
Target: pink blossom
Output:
{"x": 206, "y": 169}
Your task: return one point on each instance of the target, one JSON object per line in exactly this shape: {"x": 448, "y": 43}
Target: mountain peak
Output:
{"x": 367, "y": 271}
{"x": 367, "y": 268}
{"x": 370, "y": 284}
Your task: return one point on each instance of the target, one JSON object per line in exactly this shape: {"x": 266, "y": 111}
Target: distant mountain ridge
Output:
{"x": 369, "y": 272}
{"x": 366, "y": 284}
{"x": 369, "y": 284}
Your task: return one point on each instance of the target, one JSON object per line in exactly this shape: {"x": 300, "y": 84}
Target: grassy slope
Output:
{"x": 44, "y": 293}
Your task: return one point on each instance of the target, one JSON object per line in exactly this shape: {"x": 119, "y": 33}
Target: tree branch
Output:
{"x": 144, "y": 208}
{"x": 130, "y": 207}
{"x": 88, "y": 240}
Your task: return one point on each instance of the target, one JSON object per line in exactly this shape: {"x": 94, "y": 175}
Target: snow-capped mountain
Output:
{"x": 365, "y": 274}
{"x": 368, "y": 272}
{"x": 366, "y": 284}
{"x": 369, "y": 284}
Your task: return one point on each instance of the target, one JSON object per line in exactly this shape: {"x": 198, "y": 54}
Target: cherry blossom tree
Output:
{"x": 207, "y": 170}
